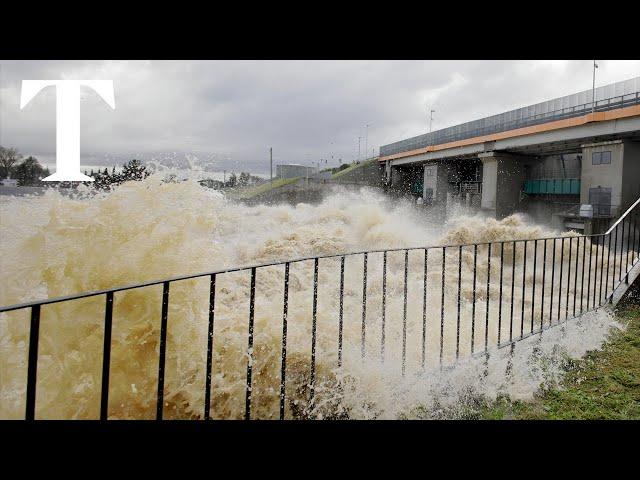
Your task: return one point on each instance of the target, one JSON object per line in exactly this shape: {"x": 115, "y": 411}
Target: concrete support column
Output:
{"x": 396, "y": 178}
{"x": 489, "y": 184}
{"x": 503, "y": 175}
{"x": 387, "y": 172}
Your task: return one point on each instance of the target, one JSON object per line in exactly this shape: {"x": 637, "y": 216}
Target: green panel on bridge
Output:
{"x": 559, "y": 186}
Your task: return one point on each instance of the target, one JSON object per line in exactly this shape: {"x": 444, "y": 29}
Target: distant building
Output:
{"x": 293, "y": 170}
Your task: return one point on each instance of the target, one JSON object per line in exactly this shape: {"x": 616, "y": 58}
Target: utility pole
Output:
{"x": 331, "y": 148}
{"x": 431, "y": 120}
{"x": 271, "y": 162}
{"x": 359, "y": 138}
{"x": 366, "y": 139}
{"x": 593, "y": 89}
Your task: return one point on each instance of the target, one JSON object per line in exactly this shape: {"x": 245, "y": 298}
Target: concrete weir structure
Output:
{"x": 549, "y": 160}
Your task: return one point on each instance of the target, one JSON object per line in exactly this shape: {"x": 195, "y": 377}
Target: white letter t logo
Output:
{"x": 67, "y": 121}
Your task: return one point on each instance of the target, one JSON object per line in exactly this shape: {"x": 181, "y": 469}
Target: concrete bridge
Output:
{"x": 545, "y": 159}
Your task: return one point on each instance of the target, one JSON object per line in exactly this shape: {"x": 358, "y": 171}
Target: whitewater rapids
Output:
{"x": 54, "y": 245}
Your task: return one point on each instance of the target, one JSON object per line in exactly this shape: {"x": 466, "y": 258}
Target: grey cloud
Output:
{"x": 231, "y": 112}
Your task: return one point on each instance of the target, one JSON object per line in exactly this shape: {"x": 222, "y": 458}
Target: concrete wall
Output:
{"x": 630, "y": 173}
{"x": 402, "y": 178}
{"x": 608, "y": 176}
{"x": 557, "y": 166}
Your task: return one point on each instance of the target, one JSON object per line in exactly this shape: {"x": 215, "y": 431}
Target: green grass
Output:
{"x": 353, "y": 167}
{"x": 605, "y": 384}
{"x": 265, "y": 187}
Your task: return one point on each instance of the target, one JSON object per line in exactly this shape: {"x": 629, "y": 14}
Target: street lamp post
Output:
{"x": 593, "y": 88}
{"x": 366, "y": 140}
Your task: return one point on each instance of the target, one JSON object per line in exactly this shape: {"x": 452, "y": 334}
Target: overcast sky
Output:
{"x": 228, "y": 113}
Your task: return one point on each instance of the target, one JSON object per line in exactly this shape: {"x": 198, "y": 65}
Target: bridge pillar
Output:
{"x": 503, "y": 175}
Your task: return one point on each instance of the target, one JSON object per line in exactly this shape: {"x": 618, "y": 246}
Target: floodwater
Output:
{"x": 52, "y": 245}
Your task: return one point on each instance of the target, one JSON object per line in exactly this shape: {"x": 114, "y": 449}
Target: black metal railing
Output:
{"x": 502, "y": 123}
{"x": 468, "y": 299}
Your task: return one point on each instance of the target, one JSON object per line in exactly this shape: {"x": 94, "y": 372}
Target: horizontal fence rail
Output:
{"x": 417, "y": 307}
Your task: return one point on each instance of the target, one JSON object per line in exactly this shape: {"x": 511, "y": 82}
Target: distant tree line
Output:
{"x": 27, "y": 172}
{"x": 104, "y": 180}
{"x": 243, "y": 180}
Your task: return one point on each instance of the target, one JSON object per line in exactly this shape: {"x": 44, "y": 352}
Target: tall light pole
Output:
{"x": 331, "y": 148}
{"x": 359, "y": 138}
{"x": 431, "y": 120}
{"x": 271, "y": 163}
{"x": 593, "y": 89}
{"x": 366, "y": 139}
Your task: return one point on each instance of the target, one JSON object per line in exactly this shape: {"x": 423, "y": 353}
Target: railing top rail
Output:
{"x": 622, "y": 216}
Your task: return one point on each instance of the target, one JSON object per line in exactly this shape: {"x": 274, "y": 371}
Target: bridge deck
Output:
{"x": 617, "y": 96}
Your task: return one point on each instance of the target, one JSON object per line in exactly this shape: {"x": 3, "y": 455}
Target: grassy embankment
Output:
{"x": 353, "y": 167}
{"x": 605, "y": 384}
{"x": 250, "y": 192}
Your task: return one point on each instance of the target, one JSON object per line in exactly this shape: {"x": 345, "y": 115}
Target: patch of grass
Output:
{"x": 353, "y": 167}
{"x": 605, "y": 384}
{"x": 265, "y": 187}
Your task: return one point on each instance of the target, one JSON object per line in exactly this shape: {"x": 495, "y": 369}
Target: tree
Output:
{"x": 233, "y": 180}
{"x": 133, "y": 170}
{"x": 8, "y": 156}
{"x": 103, "y": 181}
{"x": 29, "y": 172}
{"x": 243, "y": 180}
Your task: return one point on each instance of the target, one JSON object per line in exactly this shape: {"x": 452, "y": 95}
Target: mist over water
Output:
{"x": 53, "y": 245}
